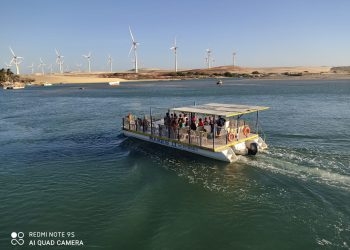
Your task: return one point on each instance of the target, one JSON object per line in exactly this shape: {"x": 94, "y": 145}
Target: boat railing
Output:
{"x": 209, "y": 136}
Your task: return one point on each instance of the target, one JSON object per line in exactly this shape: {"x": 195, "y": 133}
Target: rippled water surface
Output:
{"x": 64, "y": 166}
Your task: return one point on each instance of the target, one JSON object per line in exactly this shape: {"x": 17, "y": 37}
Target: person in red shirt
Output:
{"x": 200, "y": 123}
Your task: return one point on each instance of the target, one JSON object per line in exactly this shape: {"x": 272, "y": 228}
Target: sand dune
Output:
{"x": 323, "y": 72}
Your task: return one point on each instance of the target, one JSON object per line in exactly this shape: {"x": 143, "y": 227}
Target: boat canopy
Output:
{"x": 220, "y": 109}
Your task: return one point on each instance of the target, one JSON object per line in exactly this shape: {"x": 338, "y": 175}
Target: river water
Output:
{"x": 65, "y": 167}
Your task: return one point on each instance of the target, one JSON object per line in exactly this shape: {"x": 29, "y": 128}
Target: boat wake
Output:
{"x": 219, "y": 176}
{"x": 332, "y": 170}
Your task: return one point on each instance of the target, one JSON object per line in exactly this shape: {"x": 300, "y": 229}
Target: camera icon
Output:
{"x": 17, "y": 238}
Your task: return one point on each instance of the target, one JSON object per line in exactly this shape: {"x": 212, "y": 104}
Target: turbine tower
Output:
{"x": 88, "y": 57}
{"x": 174, "y": 48}
{"x": 79, "y": 67}
{"x": 233, "y": 59}
{"x": 32, "y": 68}
{"x": 50, "y": 68}
{"x": 134, "y": 45}
{"x": 109, "y": 63}
{"x": 59, "y": 60}
{"x": 15, "y": 61}
{"x": 41, "y": 65}
{"x": 208, "y": 59}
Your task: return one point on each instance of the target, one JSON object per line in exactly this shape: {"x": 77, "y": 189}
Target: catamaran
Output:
{"x": 215, "y": 130}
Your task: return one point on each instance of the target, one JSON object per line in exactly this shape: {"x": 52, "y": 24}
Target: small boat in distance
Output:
{"x": 219, "y": 82}
{"x": 13, "y": 85}
{"x": 47, "y": 84}
{"x": 223, "y": 130}
{"x": 114, "y": 83}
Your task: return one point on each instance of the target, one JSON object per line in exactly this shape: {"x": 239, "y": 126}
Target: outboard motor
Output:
{"x": 253, "y": 149}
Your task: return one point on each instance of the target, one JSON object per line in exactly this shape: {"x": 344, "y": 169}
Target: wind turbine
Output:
{"x": 59, "y": 60}
{"x": 174, "y": 48}
{"x": 15, "y": 60}
{"x": 79, "y": 67}
{"x": 41, "y": 65}
{"x": 109, "y": 63}
{"x": 8, "y": 66}
{"x": 208, "y": 59}
{"x": 134, "y": 45}
{"x": 32, "y": 68}
{"x": 50, "y": 68}
{"x": 88, "y": 57}
{"x": 233, "y": 59}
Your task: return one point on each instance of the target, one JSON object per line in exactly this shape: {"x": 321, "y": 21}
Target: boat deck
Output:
{"x": 185, "y": 136}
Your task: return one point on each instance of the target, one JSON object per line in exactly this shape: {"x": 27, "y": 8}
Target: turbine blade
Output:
{"x": 58, "y": 54}
{"x": 13, "y": 53}
{"x": 130, "y": 49}
{"x": 132, "y": 37}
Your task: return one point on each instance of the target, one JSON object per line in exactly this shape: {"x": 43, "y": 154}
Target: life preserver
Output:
{"x": 231, "y": 137}
{"x": 246, "y": 131}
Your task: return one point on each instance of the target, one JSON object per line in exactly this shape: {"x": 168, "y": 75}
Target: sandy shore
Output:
{"x": 72, "y": 78}
{"x": 273, "y": 73}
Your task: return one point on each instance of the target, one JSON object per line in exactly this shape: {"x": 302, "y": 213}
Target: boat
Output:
{"x": 114, "y": 83}
{"x": 47, "y": 84}
{"x": 230, "y": 136}
{"x": 15, "y": 85}
{"x": 219, "y": 82}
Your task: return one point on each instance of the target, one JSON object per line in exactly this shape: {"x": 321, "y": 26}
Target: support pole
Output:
{"x": 257, "y": 122}
{"x": 214, "y": 133}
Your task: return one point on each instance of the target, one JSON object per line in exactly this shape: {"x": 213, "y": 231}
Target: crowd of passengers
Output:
{"x": 174, "y": 122}
{"x": 182, "y": 121}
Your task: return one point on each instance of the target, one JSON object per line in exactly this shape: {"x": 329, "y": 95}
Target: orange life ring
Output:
{"x": 246, "y": 131}
{"x": 231, "y": 137}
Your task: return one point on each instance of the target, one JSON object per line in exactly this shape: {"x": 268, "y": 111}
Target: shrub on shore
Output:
{"x": 8, "y": 76}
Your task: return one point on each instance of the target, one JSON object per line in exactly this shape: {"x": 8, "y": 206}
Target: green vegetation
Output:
{"x": 8, "y": 76}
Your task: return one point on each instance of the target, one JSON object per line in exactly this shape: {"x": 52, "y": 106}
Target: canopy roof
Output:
{"x": 222, "y": 109}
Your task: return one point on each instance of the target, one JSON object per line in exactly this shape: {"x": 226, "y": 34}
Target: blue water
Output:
{"x": 64, "y": 166}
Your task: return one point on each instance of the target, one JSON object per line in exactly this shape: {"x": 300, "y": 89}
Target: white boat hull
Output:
{"x": 226, "y": 155}
{"x": 114, "y": 83}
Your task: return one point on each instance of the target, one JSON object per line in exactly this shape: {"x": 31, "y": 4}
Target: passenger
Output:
{"x": 193, "y": 124}
{"x": 211, "y": 123}
{"x": 200, "y": 123}
{"x": 167, "y": 120}
{"x": 139, "y": 123}
{"x": 220, "y": 122}
{"x": 206, "y": 122}
{"x": 145, "y": 123}
{"x": 187, "y": 123}
{"x": 181, "y": 121}
{"x": 174, "y": 125}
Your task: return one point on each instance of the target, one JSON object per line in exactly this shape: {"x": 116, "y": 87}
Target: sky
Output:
{"x": 262, "y": 33}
